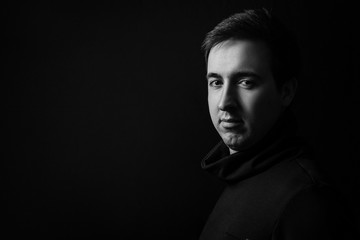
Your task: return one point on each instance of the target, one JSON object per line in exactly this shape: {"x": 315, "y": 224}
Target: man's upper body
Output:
{"x": 274, "y": 190}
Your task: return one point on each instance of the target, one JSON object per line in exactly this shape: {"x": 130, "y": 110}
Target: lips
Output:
{"x": 231, "y": 123}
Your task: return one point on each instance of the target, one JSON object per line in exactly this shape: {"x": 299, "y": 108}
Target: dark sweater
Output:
{"x": 274, "y": 191}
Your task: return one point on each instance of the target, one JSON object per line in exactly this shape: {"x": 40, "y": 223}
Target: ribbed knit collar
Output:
{"x": 279, "y": 144}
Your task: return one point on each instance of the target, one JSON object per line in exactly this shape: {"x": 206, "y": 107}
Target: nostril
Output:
{"x": 226, "y": 102}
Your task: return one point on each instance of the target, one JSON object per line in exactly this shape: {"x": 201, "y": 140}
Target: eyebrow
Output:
{"x": 212, "y": 75}
{"x": 235, "y": 75}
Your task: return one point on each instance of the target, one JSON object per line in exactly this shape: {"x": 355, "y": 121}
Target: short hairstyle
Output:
{"x": 260, "y": 24}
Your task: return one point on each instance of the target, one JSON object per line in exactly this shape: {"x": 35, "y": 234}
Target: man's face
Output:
{"x": 244, "y": 102}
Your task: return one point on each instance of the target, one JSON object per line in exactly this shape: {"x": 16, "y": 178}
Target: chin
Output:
{"x": 235, "y": 142}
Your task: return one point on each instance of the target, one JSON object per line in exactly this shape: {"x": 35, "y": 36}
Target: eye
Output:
{"x": 246, "y": 83}
{"x": 215, "y": 83}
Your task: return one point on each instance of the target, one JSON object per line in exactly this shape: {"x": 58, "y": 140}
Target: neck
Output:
{"x": 232, "y": 151}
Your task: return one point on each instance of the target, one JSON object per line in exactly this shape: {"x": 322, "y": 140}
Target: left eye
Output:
{"x": 246, "y": 83}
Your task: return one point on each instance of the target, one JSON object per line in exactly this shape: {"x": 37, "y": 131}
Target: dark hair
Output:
{"x": 260, "y": 24}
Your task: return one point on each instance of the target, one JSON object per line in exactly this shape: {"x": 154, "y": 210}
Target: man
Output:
{"x": 273, "y": 188}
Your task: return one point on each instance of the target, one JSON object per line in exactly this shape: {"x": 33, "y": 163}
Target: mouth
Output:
{"x": 231, "y": 123}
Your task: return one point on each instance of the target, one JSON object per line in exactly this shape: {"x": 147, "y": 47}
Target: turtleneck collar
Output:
{"x": 278, "y": 145}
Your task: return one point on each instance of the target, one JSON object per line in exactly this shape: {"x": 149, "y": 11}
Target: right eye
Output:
{"x": 215, "y": 83}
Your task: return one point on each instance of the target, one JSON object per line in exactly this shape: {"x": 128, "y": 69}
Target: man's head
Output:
{"x": 252, "y": 64}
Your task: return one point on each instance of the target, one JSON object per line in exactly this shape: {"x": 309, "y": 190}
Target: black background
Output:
{"x": 107, "y": 120}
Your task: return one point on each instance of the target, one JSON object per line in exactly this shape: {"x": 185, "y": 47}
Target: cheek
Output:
{"x": 262, "y": 105}
{"x": 213, "y": 109}
{"x": 212, "y": 102}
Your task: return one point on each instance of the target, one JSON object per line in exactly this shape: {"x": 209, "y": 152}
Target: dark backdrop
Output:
{"x": 106, "y": 113}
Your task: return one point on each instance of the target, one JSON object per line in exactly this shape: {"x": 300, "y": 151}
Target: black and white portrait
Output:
{"x": 181, "y": 120}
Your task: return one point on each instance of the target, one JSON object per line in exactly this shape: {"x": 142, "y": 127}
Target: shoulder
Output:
{"x": 315, "y": 212}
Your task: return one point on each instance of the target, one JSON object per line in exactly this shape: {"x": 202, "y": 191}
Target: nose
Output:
{"x": 227, "y": 99}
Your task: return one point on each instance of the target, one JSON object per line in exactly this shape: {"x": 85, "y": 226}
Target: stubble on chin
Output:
{"x": 234, "y": 141}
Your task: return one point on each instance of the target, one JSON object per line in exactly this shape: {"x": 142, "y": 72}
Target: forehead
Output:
{"x": 237, "y": 55}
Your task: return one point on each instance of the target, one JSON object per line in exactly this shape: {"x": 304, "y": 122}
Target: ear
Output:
{"x": 288, "y": 91}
